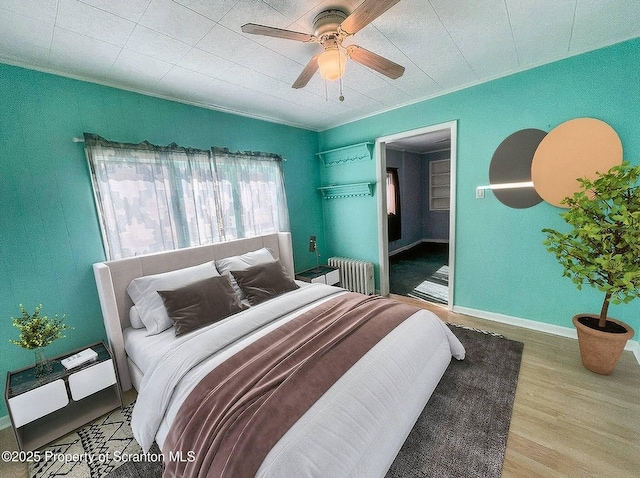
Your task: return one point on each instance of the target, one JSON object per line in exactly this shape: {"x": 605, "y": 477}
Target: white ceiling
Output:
{"x": 193, "y": 50}
{"x": 431, "y": 142}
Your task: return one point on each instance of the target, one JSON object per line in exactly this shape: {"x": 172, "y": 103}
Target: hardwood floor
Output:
{"x": 567, "y": 421}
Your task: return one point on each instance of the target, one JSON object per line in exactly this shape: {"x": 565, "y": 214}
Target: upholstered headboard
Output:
{"x": 113, "y": 277}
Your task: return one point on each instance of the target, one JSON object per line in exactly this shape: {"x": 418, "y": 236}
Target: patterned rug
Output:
{"x": 435, "y": 288}
{"x": 92, "y": 451}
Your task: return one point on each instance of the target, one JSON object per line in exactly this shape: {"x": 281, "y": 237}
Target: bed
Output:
{"x": 353, "y": 426}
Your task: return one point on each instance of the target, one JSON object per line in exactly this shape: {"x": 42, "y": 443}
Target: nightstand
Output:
{"x": 323, "y": 274}
{"x": 42, "y": 410}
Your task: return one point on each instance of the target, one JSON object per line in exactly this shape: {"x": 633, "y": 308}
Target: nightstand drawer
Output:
{"x": 333, "y": 277}
{"x": 37, "y": 403}
{"x": 91, "y": 380}
{"x": 322, "y": 274}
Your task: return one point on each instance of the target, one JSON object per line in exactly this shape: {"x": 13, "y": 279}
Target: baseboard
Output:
{"x": 569, "y": 332}
{"x": 404, "y": 248}
{"x": 416, "y": 243}
{"x": 634, "y": 346}
{"x": 5, "y": 422}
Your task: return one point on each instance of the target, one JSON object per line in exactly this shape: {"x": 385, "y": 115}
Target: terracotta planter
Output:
{"x": 600, "y": 350}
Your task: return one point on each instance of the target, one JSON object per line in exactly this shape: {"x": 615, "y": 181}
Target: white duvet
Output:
{"x": 355, "y": 429}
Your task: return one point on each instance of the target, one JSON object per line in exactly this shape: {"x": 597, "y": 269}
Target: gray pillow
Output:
{"x": 263, "y": 281}
{"x": 144, "y": 293}
{"x": 242, "y": 262}
{"x": 200, "y": 303}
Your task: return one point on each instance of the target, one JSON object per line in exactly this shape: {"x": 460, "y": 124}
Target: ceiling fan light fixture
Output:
{"x": 332, "y": 63}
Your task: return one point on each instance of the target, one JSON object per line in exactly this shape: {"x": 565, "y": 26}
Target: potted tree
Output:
{"x": 603, "y": 250}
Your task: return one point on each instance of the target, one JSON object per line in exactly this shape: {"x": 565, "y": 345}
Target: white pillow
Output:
{"x": 144, "y": 293}
{"x": 134, "y": 318}
{"x": 241, "y": 263}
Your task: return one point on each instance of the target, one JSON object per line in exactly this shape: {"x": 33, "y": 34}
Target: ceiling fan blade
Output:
{"x": 365, "y": 13}
{"x": 307, "y": 73}
{"x": 375, "y": 62}
{"x": 255, "y": 29}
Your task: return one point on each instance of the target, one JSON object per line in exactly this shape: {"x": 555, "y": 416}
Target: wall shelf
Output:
{"x": 347, "y": 154}
{"x": 346, "y": 190}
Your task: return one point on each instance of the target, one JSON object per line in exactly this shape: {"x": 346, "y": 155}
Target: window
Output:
{"x": 394, "y": 224}
{"x": 439, "y": 179}
{"x": 154, "y": 198}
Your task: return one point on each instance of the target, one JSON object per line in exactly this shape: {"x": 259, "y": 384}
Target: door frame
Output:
{"x": 381, "y": 167}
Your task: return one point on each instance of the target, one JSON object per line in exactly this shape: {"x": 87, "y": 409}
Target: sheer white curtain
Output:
{"x": 252, "y": 193}
{"x": 154, "y": 198}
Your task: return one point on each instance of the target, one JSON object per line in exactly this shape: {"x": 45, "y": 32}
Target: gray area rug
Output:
{"x": 462, "y": 432}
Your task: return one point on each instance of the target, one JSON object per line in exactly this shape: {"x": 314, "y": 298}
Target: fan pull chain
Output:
{"x": 341, "y": 97}
{"x": 326, "y": 90}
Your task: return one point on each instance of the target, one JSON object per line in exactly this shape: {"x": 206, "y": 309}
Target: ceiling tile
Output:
{"x": 137, "y": 69}
{"x": 182, "y": 83}
{"x": 20, "y": 33}
{"x": 295, "y": 9}
{"x": 240, "y": 75}
{"x": 40, "y": 10}
{"x": 75, "y": 53}
{"x": 482, "y": 32}
{"x": 205, "y": 63}
{"x": 91, "y": 22}
{"x": 249, "y": 11}
{"x": 176, "y": 21}
{"x": 228, "y": 44}
{"x": 546, "y": 38}
{"x": 604, "y": 22}
{"x": 273, "y": 64}
{"x": 212, "y": 10}
{"x": 129, "y": 9}
{"x": 427, "y": 44}
{"x": 156, "y": 45}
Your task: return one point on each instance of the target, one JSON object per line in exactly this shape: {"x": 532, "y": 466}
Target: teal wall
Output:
{"x": 49, "y": 233}
{"x": 501, "y": 265}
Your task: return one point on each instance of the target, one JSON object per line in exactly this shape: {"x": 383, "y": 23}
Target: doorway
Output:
{"x": 428, "y": 157}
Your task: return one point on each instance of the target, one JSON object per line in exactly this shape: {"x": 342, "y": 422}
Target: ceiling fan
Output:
{"x": 331, "y": 28}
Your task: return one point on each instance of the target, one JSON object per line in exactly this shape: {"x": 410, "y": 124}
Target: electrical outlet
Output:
{"x": 479, "y": 193}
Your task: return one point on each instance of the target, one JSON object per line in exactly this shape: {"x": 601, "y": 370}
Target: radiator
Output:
{"x": 355, "y": 275}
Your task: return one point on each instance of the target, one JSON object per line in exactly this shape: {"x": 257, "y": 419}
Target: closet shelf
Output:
{"x": 346, "y": 154}
{"x": 346, "y": 190}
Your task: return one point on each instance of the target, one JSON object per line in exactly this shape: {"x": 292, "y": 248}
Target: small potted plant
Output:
{"x": 603, "y": 250}
{"x": 36, "y": 333}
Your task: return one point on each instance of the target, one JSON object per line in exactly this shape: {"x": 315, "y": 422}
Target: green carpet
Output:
{"x": 408, "y": 269}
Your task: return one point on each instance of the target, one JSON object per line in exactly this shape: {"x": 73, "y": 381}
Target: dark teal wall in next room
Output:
{"x": 501, "y": 266}
{"x": 49, "y": 232}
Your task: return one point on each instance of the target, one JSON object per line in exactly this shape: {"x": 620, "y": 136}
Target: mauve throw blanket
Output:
{"x": 239, "y": 411}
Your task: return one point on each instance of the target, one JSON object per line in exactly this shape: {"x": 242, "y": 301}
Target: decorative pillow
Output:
{"x": 242, "y": 262}
{"x": 200, "y": 303}
{"x": 264, "y": 281}
{"x": 134, "y": 318}
{"x": 144, "y": 293}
